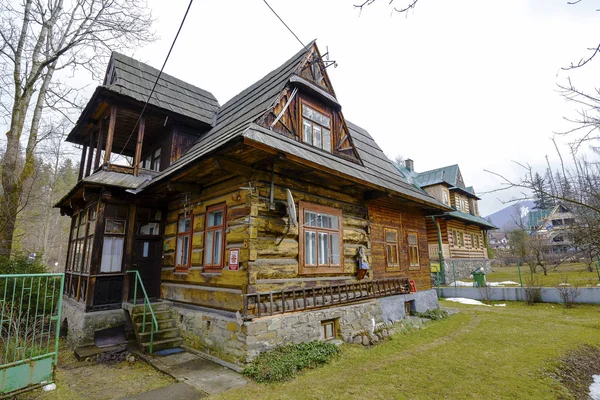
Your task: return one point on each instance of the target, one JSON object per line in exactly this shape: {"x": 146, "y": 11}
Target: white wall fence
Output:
{"x": 587, "y": 295}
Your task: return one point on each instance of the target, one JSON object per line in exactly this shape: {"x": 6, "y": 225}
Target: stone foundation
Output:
{"x": 82, "y": 325}
{"x": 464, "y": 267}
{"x": 223, "y": 336}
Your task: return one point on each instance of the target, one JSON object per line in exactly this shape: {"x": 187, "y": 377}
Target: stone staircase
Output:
{"x": 168, "y": 335}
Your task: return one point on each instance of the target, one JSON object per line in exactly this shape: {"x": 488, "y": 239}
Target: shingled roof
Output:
{"x": 135, "y": 79}
{"x": 236, "y": 118}
{"x": 238, "y": 113}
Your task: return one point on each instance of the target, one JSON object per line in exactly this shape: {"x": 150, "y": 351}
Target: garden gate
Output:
{"x": 29, "y": 329}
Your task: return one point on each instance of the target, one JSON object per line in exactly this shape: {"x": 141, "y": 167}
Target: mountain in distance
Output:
{"x": 508, "y": 218}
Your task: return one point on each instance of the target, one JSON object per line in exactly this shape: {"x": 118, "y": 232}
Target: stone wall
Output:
{"x": 82, "y": 325}
{"x": 393, "y": 306}
{"x": 464, "y": 267}
{"x": 267, "y": 333}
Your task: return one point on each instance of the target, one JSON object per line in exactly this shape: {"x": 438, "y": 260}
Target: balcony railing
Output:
{"x": 285, "y": 301}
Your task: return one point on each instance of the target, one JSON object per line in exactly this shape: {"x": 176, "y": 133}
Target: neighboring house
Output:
{"x": 498, "y": 240}
{"x": 554, "y": 226}
{"x": 462, "y": 231}
{"x": 252, "y": 218}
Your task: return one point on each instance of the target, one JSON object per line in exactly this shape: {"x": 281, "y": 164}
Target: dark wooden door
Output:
{"x": 147, "y": 260}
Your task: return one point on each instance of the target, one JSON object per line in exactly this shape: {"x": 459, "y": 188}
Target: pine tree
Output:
{"x": 541, "y": 198}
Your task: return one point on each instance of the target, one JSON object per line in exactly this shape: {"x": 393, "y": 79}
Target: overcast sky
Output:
{"x": 470, "y": 83}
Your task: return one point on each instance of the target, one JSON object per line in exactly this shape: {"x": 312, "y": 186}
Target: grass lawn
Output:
{"x": 577, "y": 274}
{"x": 479, "y": 353}
{"x": 77, "y": 380}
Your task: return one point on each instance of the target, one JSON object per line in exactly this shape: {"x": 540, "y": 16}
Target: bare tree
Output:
{"x": 38, "y": 39}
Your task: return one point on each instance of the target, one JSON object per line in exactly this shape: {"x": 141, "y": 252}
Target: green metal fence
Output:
{"x": 30, "y": 323}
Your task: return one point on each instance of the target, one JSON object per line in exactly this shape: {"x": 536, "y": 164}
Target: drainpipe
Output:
{"x": 441, "y": 255}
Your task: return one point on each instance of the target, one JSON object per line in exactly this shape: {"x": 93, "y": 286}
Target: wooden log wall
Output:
{"x": 467, "y": 250}
{"x": 218, "y": 290}
{"x": 384, "y": 214}
{"x": 276, "y": 244}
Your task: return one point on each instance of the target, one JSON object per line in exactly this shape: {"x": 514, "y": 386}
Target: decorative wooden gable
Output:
{"x": 308, "y": 112}
{"x": 459, "y": 180}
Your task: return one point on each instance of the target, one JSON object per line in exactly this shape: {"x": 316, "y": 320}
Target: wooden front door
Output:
{"x": 147, "y": 260}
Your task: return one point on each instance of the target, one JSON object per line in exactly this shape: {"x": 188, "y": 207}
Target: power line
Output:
{"x": 289, "y": 29}
{"x": 157, "y": 78}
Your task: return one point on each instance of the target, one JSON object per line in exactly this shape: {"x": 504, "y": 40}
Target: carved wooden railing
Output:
{"x": 285, "y": 301}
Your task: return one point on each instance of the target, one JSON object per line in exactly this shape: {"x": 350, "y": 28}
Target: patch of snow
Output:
{"x": 595, "y": 388}
{"x": 461, "y": 283}
{"x": 462, "y": 300}
{"x": 564, "y": 284}
{"x": 49, "y": 387}
{"x": 499, "y": 305}
{"x": 503, "y": 283}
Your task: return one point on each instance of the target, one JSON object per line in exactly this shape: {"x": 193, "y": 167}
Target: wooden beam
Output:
{"x": 138, "y": 147}
{"x": 99, "y": 143}
{"x": 234, "y": 167}
{"x": 184, "y": 187}
{"x": 82, "y": 162}
{"x": 111, "y": 133}
{"x": 88, "y": 167}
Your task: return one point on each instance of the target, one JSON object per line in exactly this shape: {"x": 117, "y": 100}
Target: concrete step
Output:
{"x": 160, "y": 334}
{"x": 162, "y": 324}
{"x": 162, "y": 344}
{"x": 160, "y": 315}
{"x": 139, "y": 308}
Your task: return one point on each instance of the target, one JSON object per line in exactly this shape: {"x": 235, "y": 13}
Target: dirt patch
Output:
{"x": 574, "y": 371}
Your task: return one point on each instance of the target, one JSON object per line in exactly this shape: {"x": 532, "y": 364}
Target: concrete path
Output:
{"x": 176, "y": 391}
{"x": 195, "y": 371}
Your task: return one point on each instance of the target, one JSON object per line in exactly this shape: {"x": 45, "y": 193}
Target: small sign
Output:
{"x": 234, "y": 259}
{"x": 435, "y": 267}
{"x": 413, "y": 287}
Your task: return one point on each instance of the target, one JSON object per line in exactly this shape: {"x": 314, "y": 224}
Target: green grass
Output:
{"x": 577, "y": 274}
{"x": 81, "y": 380}
{"x": 481, "y": 353}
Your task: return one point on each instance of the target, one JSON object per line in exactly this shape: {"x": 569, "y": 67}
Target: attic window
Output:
{"x": 316, "y": 128}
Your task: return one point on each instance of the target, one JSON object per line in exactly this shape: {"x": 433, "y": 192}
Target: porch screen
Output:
{"x": 114, "y": 238}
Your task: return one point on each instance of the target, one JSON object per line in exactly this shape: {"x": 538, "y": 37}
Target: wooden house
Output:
{"x": 462, "y": 232}
{"x": 267, "y": 220}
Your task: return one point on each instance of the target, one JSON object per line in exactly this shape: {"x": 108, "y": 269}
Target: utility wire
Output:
{"x": 157, "y": 78}
{"x": 288, "y": 28}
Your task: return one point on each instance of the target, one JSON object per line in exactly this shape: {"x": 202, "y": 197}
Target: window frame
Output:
{"x": 446, "y": 196}
{"x": 322, "y": 110}
{"x": 395, "y": 266}
{"x": 222, "y": 227}
{"x": 318, "y": 269}
{"x": 334, "y": 329}
{"x": 184, "y": 267}
{"x": 412, "y": 266}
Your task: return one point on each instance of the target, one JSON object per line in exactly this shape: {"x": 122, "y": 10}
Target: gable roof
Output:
{"x": 236, "y": 119}
{"x": 470, "y": 218}
{"x": 135, "y": 79}
{"x": 439, "y": 175}
{"x": 238, "y": 113}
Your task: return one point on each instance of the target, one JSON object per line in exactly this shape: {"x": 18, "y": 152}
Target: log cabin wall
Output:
{"x": 467, "y": 249}
{"x": 194, "y": 285}
{"x": 456, "y": 198}
{"x": 384, "y": 215}
{"x": 274, "y": 263}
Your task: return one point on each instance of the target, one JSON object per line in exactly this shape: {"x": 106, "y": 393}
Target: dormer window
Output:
{"x": 316, "y": 128}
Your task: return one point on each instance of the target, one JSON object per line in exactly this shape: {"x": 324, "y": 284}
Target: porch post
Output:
{"x": 82, "y": 162}
{"x": 88, "y": 167}
{"x": 111, "y": 134}
{"x": 138, "y": 146}
{"x": 128, "y": 253}
{"x": 99, "y": 143}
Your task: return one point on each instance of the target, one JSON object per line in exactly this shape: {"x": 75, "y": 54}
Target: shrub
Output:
{"x": 533, "y": 293}
{"x": 284, "y": 362}
{"x": 567, "y": 294}
{"x": 434, "y": 314}
{"x": 21, "y": 265}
